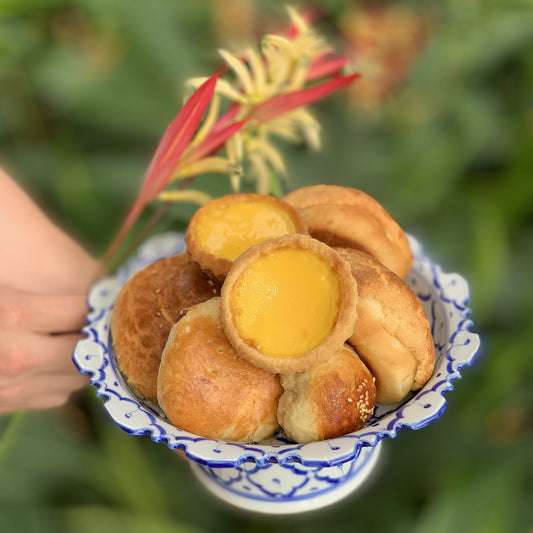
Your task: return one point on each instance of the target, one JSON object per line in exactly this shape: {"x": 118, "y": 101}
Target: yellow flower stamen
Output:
{"x": 206, "y": 165}
{"x": 209, "y": 121}
{"x": 260, "y": 147}
{"x": 297, "y": 20}
{"x": 259, "y": 170}
{"x": 297, "y": 80}
{"x": 186, "y": 195}
{"x": 257, "y": 68}
{"x": 234, "y": 149}
{"x": 223, "y": 88}
{"x": 240, "y": 70}
{"x": 279, "y": 67}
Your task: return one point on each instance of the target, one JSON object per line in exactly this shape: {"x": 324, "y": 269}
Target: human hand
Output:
{"x": 38, "y": 333}
{"x": 44, "y": 279}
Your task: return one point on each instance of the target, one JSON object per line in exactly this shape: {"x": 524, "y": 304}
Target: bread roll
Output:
{"x": 331, "y": 399}
{"x": 349, "y": 218}
{"x": 145, "y": 309}
{"x": 392, "y": 333}
{"x": 206, "y": 388}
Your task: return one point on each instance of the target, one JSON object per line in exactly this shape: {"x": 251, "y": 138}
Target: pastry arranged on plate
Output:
{"x": 327, "y": 400}
{"x": 392, "y": 333}
{"x": 288, "y": 303}
{"x": 350, "y": 218}
{"x": 286, "y": 314}
{"x": 205, "y": 387}
{"x": 145, "y": 310}
{"x": 224, "y": 228}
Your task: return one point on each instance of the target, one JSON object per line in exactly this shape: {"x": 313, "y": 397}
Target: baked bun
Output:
{"x": 328, "y": 400}
{"x": 288, "y": 303}
{"x": 349, "y": 218}
{"x": 146, "y": 308}
{"x": 392, "y": 333}
{"x": 204, "y": 387}
{"x": 227, "y": 226}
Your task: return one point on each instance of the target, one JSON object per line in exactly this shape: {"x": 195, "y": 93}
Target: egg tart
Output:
{"x": 288, "y": 303}
{"x": 224, "y": 228}
{"x": 350, "y": 218}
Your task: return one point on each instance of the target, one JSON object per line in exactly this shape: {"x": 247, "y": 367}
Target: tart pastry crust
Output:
{"x": 289, "y": 303}
{"x": 227, "y": 226}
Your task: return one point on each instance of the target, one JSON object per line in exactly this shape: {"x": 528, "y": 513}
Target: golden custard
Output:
{"x": 288, "y": 303}
{"x": 224, "y": 228}
{"x": 232, "y": 228}
{"x": 274, "y": 307}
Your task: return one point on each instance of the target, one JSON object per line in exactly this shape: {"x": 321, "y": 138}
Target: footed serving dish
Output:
{"x": 279, "y": 476}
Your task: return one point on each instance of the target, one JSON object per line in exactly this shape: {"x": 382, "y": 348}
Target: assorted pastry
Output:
{"x": 286, "y": 314}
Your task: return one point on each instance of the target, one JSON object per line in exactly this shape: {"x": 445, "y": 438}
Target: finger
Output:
{"x": 44, "y": 313}
{"x": 24, "y": 355}
{"x": 40, "y": 392}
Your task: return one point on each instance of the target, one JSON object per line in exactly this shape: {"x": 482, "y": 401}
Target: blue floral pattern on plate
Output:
{"x": 445, "y": 299}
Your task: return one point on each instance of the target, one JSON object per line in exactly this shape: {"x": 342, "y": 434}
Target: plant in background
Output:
{"x": 266, "y": 99}
{"x": 384, "y": 43}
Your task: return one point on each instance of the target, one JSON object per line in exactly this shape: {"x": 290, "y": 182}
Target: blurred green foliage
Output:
{"x": 87, "y": 88}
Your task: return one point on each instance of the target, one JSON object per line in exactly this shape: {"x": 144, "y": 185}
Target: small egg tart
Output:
{"x": 289, "y": 303}
{"x": 224, "y": 228}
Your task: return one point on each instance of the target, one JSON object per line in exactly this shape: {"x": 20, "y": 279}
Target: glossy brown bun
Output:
{"x": 349, "y": 218}
{"x": 146, "y": 308}
{"x": 204, "y": 387}
{"x": 392, "y": 333}
{"x": 225, "y": 227}
{"x": 328, "y": 400}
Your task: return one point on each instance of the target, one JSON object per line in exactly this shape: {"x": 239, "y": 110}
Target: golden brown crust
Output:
{"x": 346, "y": 217}
{"x": 392, "y": 333}
{"x": 206, "y": 388}
{"x": 216, "y": 266}
{"x": 329, "y": 400}
{"x": 344, "y": 322}
{"x": 145, "y": 310}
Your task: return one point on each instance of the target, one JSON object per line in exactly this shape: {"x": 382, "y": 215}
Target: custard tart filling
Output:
{"x": 288, "y": 303}
{"x": 291, "y": 319}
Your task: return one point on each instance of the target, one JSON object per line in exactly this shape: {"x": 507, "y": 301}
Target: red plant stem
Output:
{"x": 166, "y": 157}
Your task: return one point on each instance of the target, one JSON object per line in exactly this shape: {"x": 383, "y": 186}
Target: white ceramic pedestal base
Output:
{"x": 288, "y": 488}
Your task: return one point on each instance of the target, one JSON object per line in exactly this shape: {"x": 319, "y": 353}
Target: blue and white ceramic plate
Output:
{"x": 227, "y": 468}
